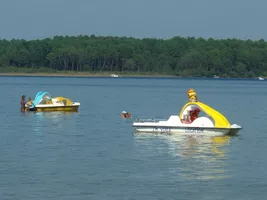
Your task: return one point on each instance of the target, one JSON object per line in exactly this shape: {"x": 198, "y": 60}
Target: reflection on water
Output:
{"x": 53, "y": 120}
{"x": 202, "y": 158}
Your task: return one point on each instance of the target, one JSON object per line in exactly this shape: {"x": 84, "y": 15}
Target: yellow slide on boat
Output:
{"x": 219, "y": 120}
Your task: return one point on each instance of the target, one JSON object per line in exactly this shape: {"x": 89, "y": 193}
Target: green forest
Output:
{"x": 177, "y": 56}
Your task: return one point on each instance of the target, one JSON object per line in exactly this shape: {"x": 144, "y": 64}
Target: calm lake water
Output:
{"x": 94, "y": 154}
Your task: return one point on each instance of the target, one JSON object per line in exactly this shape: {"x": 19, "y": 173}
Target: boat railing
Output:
{"x": 150, "y": 120}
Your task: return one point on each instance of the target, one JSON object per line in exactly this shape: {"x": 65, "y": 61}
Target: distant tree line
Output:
{"x": 177, "y": 56}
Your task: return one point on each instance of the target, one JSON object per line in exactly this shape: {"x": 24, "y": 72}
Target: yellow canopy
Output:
{"x": 61, "y": 99}
{"x": 219, "y": 120}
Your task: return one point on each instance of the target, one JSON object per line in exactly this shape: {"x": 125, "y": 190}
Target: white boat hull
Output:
{"x": 201, "y": 131}
{"x": 201, "y": 126}
{"x": 57, "y": 105}
{"x": 114, "y": 75}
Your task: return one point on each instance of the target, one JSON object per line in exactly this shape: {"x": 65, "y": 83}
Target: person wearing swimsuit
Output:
{"x": 22, "y": 103}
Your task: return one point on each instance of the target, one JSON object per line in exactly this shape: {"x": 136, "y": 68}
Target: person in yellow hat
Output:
{"x": 192, "y": 95}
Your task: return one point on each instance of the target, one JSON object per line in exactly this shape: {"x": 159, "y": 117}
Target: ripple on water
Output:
{"x": 93, "y": 154}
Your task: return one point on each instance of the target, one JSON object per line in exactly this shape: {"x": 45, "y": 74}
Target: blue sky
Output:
{"x": 32, "y": 19}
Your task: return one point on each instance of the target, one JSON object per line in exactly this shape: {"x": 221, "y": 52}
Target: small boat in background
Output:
{"x": 261, "y": 78}
{"x": 114, "y": 75}
{"x": 44, "y": 102}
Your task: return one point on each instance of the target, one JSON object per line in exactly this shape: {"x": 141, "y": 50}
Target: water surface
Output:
{"x": 93, "y": 154}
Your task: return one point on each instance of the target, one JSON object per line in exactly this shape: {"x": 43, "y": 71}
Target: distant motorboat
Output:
{"x": 261, "y": 78}
{"x": 215, "y": 76}
{"x": 114, "y": 75}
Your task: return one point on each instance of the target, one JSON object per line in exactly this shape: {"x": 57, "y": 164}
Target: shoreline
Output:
{"x": 82, "y": 74}
{"x": 102, "y": 75}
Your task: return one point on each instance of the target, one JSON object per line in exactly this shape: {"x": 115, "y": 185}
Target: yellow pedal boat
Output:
{"x": 43, "y": 102}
